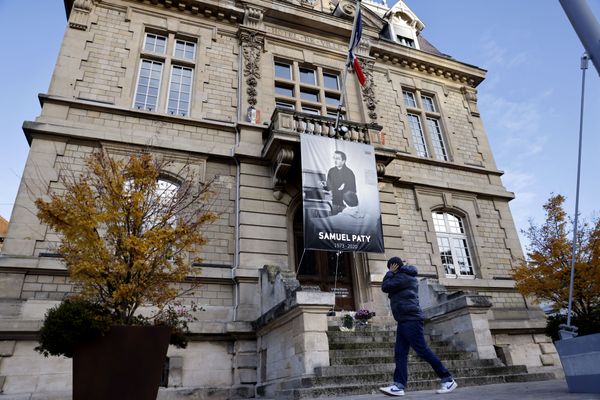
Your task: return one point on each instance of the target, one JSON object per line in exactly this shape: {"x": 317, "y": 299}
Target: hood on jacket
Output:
{"x": 409, "y": 270}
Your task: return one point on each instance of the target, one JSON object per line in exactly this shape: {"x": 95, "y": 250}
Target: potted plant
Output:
{"x": 125, "y": 237}
{"x": 363, "y": 316}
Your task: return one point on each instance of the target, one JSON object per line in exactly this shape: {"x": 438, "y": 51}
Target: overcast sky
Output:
{"x": 529, "y": 101}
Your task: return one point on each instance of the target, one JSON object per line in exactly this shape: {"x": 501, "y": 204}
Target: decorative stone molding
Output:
{"x": 281, "y": 167}
{"x": 427, "y": 64}
{"x": 253, "y": 17}
{"x": 79, "y": 14}
{"x": 367, "y": 90}
{"x": 252, "y": 46}
{"x": 345, "y": 8}
{"x": 471, "y": 98}
{"x": 380, "y": 169}
{"x": 308, "y": 3}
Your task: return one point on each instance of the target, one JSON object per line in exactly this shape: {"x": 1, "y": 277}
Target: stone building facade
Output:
{"x": 227, "y": 87}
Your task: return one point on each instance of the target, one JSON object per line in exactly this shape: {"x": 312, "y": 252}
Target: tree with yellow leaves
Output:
{"x": 126, "y": 234}
{"x": 546, "y": 273}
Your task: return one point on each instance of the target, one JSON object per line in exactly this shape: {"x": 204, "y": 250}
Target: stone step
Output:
{"x": 383, "y": 351}
{"x": 357, "y": 389}
{"x": 414, "y": 376}
{"x": 389, "y": 358}
{"x": 371, "y": 337}
{"x": 413, "y": 366}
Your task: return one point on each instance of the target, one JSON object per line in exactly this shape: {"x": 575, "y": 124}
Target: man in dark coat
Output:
{"x": 400, "y": 283}
{"x": 340, "y": 180}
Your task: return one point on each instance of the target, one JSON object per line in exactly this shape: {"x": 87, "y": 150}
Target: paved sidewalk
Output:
{"x": 544, "y": 390}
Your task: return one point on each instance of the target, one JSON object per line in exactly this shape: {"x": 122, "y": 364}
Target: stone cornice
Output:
{"x": 431, "y": 64}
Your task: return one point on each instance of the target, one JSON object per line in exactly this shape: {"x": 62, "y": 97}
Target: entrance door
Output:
{"x": 318, "y": 269}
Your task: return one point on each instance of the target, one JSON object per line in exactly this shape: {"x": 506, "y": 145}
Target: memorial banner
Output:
{"x": 340, "y": 196}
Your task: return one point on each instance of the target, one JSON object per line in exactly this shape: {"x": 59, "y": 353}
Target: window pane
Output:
{"x": 311, "y": 110}
{"x": 179, "y": 93}
{"x": 308, "y": 95}
{"x": 155, "y": 43}
{"x": 148, "y": 85}
{"x": 284, "y": 91}
{"x": 185, "y": 49}
{"x": 283, "y": 104}
{"x": 331, "y": 81}
{"x": 283, "y": 71}
{"x": 417, "y": 135}
{"x": 437, "y": 139}
{"x": 409, "y": 99}
{"x": 332, "y": 100}
{"x": 307, "y": 76}
{"x": 428, "y": 104}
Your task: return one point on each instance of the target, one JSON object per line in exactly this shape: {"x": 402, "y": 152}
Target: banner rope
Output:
{"x": 300, "y": 263}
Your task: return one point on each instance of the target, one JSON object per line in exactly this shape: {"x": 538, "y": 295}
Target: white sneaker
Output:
{"x": 392, "y": 390}
{"x": 447, "y": 387}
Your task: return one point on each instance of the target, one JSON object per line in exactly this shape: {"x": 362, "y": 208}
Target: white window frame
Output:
{"x": 156, "y": 36}
{"x": 168, "y": 61}
{"x": 454, "y": 238}
{"x": 430, "y": 125}
{"x": 187, "y": 111}
{"x": 318, "y": 88}
{"x": 145, "y": 108}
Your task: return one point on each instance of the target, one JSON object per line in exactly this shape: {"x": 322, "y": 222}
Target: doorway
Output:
{"x": 318, "y": 269}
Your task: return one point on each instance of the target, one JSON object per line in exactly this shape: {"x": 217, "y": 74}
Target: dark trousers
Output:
{"x": 410, "y": 334}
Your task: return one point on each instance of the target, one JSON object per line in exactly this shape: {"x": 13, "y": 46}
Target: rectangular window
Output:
{"x": 428, "y": 138}
{"x": 417, "y": 135}
{"x": 331, "y": 81}
{"x": 148, "y": 86}
{"x": 428, "y": 104}
{"x": 185, "y": 50}
{"x": 437, "y": 139}
{"x": 180, "y": 91}
{"x": 307, "y": 76}
{"x": 155, "y": 43}
{"x": 170, "y": 51}
{"x": 409, "y": 99}
{"x": 283, "y": 71}
{"x": 313, "y": 90}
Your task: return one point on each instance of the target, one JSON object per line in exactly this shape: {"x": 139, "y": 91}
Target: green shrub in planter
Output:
{"x": 70, "y": 323}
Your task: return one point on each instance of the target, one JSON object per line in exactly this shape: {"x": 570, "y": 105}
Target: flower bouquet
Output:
{"x": 363, "y": 316}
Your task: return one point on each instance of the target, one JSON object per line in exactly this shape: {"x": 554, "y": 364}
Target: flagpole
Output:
{"x": 346, "y": 65}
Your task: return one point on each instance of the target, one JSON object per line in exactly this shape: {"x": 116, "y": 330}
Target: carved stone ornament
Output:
{"x": 281, "y": 168}
{"x": 79, "y": 14}
{"x": 308, "y": 3}
{"x": 252, "y": 46}
{"x": 253, "y": 17}
{"x": 380, "y": 167}
{"x": 367, "y": 90}
{"x": 470, "y": 95}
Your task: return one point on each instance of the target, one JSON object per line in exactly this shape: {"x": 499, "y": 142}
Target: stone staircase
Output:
{"x": 362, "y": 361}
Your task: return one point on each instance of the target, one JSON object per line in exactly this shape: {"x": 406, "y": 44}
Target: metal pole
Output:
{"x": 345, "y": 73}
{"x": 584, "y": 65}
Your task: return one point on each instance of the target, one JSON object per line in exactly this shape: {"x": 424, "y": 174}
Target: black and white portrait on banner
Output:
{"x": 340, "y": 195}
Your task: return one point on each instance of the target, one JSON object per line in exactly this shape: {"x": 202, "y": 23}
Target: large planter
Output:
{"x": 580, "y": 358}
{"x": 124, "y": 364}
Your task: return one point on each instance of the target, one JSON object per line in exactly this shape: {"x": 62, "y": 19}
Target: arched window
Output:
{"x": 453, "y": 244}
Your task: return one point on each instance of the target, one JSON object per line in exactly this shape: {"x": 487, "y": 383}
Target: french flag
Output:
{"x": 354, "y": 42}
